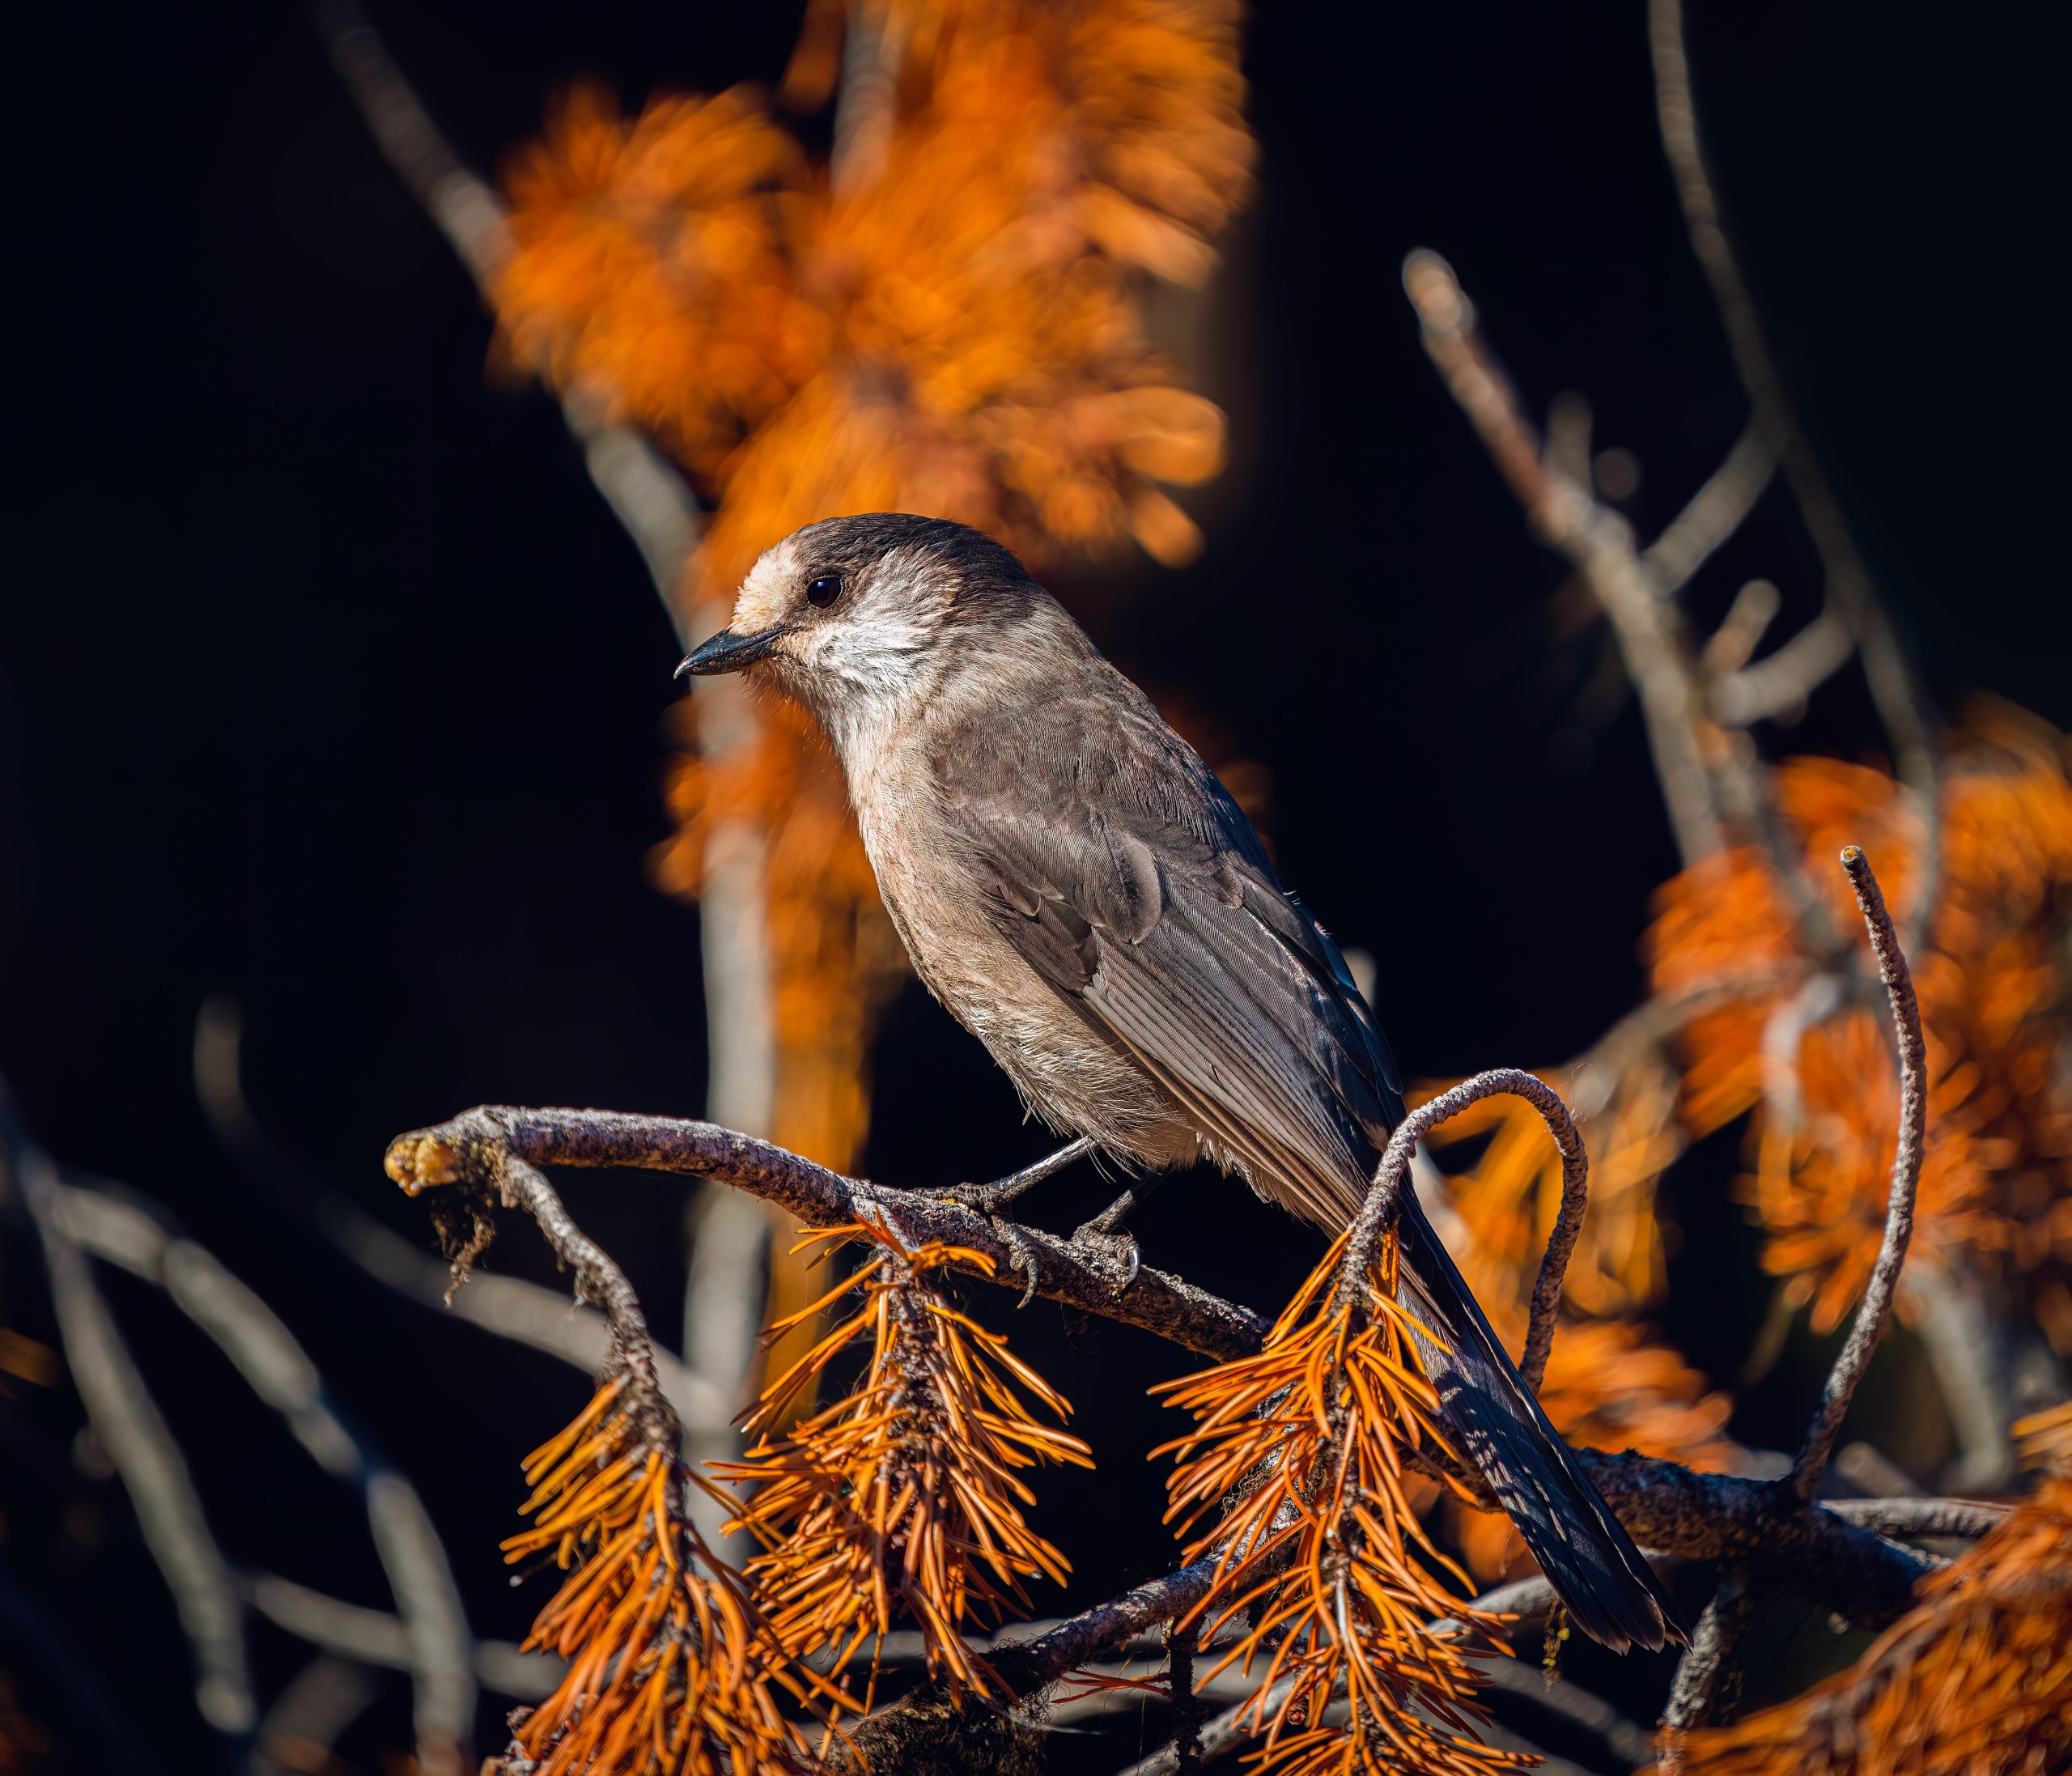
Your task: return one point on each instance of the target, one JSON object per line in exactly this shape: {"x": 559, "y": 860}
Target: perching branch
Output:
{"x": 1876, "y": 1305}
{"x": 1378, "y": 1213}
{"x": 467, "y": 1149}
{"x": 1664, "y": 1505}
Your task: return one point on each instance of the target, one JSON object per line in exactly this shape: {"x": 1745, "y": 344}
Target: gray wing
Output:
{"x": 1118, "y": 867}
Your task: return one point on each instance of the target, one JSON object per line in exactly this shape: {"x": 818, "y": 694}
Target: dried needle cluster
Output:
{"x": 1321, "y": 1545}
{"x": 672, "y": 1667}
{"x": 902, "y": 1499}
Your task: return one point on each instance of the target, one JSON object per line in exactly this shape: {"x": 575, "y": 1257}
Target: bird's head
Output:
{"x": 858, "y": 617}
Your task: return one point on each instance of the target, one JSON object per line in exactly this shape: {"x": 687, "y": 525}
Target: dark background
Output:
{"x": 326, "y": 679}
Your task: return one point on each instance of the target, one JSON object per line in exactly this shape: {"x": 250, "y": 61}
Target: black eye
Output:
{"x": 823, "y": 592}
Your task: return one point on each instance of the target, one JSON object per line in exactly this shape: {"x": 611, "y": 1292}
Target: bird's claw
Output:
{"x": 1021, "y": 1248}
{"x": 1022, "y": 1258}
{"x": 1108, "y": 1252}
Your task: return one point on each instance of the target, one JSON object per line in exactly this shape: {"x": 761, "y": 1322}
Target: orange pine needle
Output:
{"x": 904, "y": 1497}
{"x": 1312, "y": 1436}
{"x": 671, "y": 1668}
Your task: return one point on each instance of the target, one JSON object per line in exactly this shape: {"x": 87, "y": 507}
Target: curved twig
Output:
{"x": 1873, "y": 1311}
{"x": 1378, "y": 1213}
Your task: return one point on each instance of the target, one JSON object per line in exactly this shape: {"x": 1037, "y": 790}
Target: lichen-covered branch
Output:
{"x": 1706, "y": 1661}
{"x": 467, "y": 1148}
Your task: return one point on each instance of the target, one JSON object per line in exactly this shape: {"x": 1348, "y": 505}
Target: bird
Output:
{"x": 1082, "y": 893}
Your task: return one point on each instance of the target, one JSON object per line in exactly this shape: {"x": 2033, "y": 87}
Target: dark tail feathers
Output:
{"x": 1592, "y": 1563}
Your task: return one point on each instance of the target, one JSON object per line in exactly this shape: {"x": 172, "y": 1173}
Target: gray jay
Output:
{"x": 1074, "y": 884}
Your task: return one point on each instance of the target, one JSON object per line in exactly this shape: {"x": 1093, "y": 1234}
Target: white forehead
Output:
{"x": 904, "y": 589}
{"x": 769, "y": 589}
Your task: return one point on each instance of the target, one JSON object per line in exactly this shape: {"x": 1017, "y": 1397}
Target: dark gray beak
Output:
{"x": 727, "y": 651}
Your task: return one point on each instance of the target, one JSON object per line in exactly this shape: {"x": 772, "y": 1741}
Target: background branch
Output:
{"x": 1876, "y": 1305}
{"x": 542, "y": 1319}
{"x": 439, "y": 1647}
{"x": 1900, "y": 703}
{"x": 142, "y": 1447}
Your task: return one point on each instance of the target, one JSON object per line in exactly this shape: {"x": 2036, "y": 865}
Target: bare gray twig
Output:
{"x": 1597, "y": 542}
{"x": 432, "y": 1618}
{"x": 1877, "y": 1303}
{"x": 1901, "y": 705}
{"x": 142, "y": 1447}
{"x": 305, "y": 1721}
{"x": 1712, "y": 514}
{"x": 373, "y": 1636}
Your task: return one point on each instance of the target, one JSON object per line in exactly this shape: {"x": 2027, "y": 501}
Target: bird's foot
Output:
{"x": 1107, "y": 1251}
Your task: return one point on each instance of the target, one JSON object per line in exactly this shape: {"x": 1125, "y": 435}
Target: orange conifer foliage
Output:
{"x": 903, "y": 1497}
{"x": 1312, "y": 1433}
{"x": 1996, "y": 1185}
{"x": 672, "y": 1667}
{"x": 1976, "y": 1677}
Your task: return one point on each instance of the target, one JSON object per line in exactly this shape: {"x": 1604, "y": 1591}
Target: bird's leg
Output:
{"x": 1105, "y": 1236}
{"x": 989, "y": 1199}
